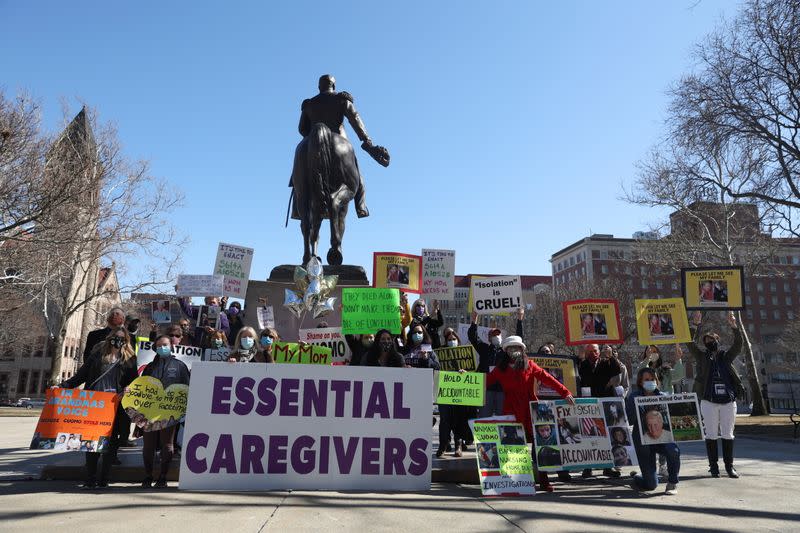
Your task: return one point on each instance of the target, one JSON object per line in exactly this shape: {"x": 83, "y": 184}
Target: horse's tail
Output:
{"x": 320, "y": 151}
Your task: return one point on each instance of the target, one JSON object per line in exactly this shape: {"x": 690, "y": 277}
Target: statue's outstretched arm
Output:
{"x": 355, "y": 121}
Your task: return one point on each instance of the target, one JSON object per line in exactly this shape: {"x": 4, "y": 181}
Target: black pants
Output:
{"x": 120, "y": 428}
{"x": 454, "y": 418}
{"x": 164, "y": 440}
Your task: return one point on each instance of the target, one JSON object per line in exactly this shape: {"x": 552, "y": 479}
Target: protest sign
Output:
{"x": 75, "y": 420}
{"x": 662, "y": 321}
{"x": 483, "y": 333}
{"x": 716, "y": 288}
{"x": 669, "y": 418}
{"x": 145, "y": 353}
{"x": 151, "y": 407}
{"x": 293, "y": 353}
{"x": 330, "y": 338}
{"x": 457, "y": 358}
{"x": 560, "y": 367}
{"x": 619, "y": 432}
{"x": 212, "y": 354}
{"x": 438, "y": 274}
{"x": 199, "y": 285}
{"x": 495, "y": 295}
{"x": 266, "y": 317}
{"x": 461, "y": 388}
{"x": 590, "y": 321}
{"x": 366, "y": 429}
{"x": 504, "y": 462}
{"x": 397, "y": 271}
{"x": 160, "y": 312}
{"x": 233, "y": 262}
{"x": 208, "y": 316}
{"x": 366, "y": 310}
{"x": 570, "y": 437}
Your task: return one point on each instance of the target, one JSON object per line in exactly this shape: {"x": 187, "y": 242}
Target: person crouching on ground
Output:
{"x": 516, "y": 374}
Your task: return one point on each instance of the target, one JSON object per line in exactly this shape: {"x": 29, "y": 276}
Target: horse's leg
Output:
{"x": 316, "y": 222}
{"x": 339, "y": 201}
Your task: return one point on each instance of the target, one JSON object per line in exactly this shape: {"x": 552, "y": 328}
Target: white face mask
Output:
{"x": 496, "y": 340}
{"x": 452, "y": 343}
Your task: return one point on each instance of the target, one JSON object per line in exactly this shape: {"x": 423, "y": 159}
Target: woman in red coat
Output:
{"x": 517, "y": 375}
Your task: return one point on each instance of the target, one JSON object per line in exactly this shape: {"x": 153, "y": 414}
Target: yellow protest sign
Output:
{"x": 718, "y": 288}
{"x": 560, "y": 367}
{"x": 662, "y": 321}
{"x": 592, "y": 321}
{"x": 151, "y": 407}
{"x": 392, "y": 270}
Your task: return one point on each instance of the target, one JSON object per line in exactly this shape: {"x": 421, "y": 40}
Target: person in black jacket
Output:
{"x": 359, "y": 345}
{"x": 110, "y": 368}
{"x": 383, "y": 351}
{"x": 431, "y": 323}
{"x": 114, "y": 319}
{"x": 169, "y": 370}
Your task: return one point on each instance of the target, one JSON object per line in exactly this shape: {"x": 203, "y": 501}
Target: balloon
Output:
{"x": 324, "y": 307}
{"x": 293, "y": 302}
{"x": 327, "y": 284}
{"x": 314, "y": 268}
{"x": 300, "y": 278}
{"x": 312, "y": 295}
{"x": 295, "y": 309}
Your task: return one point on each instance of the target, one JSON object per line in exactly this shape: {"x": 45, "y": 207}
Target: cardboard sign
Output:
{"x": 570, "y": 437}
{"x": 483, "y": 333}
{"x": 151, "y": 407}
{"x": 662, "y": 321}
{"x": 560, "y": 367}
{"x": 496, "y": 294}
{"x": 145, "y": 353}
{"x": 457, "y": 358}
{"x": 309, "y": 354}
{"x": 717, "y": 288}
{"x": 208, "y": 316}
{"x": 438, "y": 274}
{"x": 199, "y": 285}
{"x": 266, "y": 317}
{"x": 75, "y": 420}
{"x": 160, "y": 312}
{"x": 366, "y": 310}
{"x": 592, "y": 321}
{"x": 307, "y": 428}
{"x": 397, "y": 271}
{"x": 619, "y": 432}
{"x": 457, "y": 388}
{"x": 331, "y": 338}
{"x": 233, "y": 262}
{"x": 211, "y": 354}
{"x": 671, "y": 418}
{"x": 504, "y": 462}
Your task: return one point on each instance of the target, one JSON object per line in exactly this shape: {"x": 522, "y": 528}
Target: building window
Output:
{"x": 773, "y": 286}
{"x": 603, "y": 254}
{"x": 776, "y": 314}
{"x": 627, "y": 269}
{"x": 643, "y": 270}
{"x": 790, "y": 315}
{"x": 760, "y": 286}
{"x": 572, "y": 263}
{"x": 787, "y": 286}
{"x": 748, "y": 300}
{"x": 674, "y": 285}
{"x": 750, "y": 314}
{"x": 774, "y": 300}
{"x": 659, "y": 285}
{"x": 22, "y": 382}
{"x": 762, "y": 300}
{"x": 762, "y": 314}
{"x": 604, "y": 270}
{"x": 34, "y": 384}
{"x": 644, "y": 284}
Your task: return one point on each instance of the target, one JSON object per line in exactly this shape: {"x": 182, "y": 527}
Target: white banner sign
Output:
{"x": 233, "y": 262}
{"x": 307, "y": 427}
{"x": 266, "y": 317}
{"x": 199, "y": 285}
{"x": 187, "y": 354}
{"x": 438, "y": 274}
{"x": 331, "y": 338}
{"x": 672, "y": 418}
{"x": 483, "y": 333}
{"x": 496, "y": 294}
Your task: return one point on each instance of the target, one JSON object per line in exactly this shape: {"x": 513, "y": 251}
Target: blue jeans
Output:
{"x": 648, "y": 464}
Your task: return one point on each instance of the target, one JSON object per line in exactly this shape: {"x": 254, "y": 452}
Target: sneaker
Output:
{"x": 89, "y": 484}
{"x": 546, "y": 487}
{"x": 586, "y": 474}
{"x": 610, "y": 472}
{"x": 663, "y": 473}
{"x": 564, "y": 477}
{"x": 102, "y": 484}
{"x": 672, "y": 489}
{"x": 147, "y": 482}
{"x": 439, "y": 453}
{"x": 161, "y": 483}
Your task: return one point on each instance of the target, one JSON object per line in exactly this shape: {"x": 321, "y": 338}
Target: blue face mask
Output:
{"x": 417, "y": 338}
{"x": 247, "y": 342}
{"x": 218, "y": 343}
{"x": 163, "y": 351}
{"x": 266, "y": 341}
{"x": 649, "y": 386}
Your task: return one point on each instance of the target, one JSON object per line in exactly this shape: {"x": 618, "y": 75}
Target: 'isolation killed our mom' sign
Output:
{"x": 307, "y": 427}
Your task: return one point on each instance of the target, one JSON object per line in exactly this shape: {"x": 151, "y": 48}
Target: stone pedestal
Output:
{"x": 282, "y": 278}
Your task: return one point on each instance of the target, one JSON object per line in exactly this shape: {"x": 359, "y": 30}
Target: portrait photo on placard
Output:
{"x": 487, "y": 455}
{"x": 655, "y": 427}
{"x": 397, "y": 276}
{"x": 685, "y": 421}
{"x": 569, "y": 430}
{"x": 161, "y": 313}
{"x": 620, "y": 436}
{"x": 614, "y": 413}
{"x": 511, "y": 435}
{"x": 542, "y": 412}
{"x": 622, "y": 455}
{"x": 545, "y": 435}
{"x": 548, "y": 456}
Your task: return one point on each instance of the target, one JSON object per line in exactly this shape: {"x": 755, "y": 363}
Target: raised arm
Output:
{"x": 355, "y": 121}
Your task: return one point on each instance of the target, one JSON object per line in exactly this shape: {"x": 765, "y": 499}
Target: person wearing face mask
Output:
{"x": 235, "y": 322}
{"x": 245, "y": 346}
{"x": 517, "y": 375}
{"x": 647, "y": 385}
{"x": 417, "y": 349}
{"x": 266, "y": 339}
{"x": 110, "y": 368}
{"x": 431, "y": 323}
{"x": 383, "y": 351}
{"x": 648, "y": 359}
{"x": 717, "y": 385}
{"x": 169, "y": 370}
{"x": 454, "y": 418}
{"x": 359, "y": 345}
{"x": 114, "y": 319}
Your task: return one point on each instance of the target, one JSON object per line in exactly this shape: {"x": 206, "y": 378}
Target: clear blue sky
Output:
{"x": 511, "y": 125}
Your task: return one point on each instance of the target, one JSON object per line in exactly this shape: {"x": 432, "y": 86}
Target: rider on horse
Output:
{"x": 331, "y": 108}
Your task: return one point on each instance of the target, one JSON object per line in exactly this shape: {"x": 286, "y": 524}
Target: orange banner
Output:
{"x": 75, "y": 420}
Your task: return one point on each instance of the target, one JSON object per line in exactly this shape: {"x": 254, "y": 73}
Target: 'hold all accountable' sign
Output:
{"x": 307, "y": 427}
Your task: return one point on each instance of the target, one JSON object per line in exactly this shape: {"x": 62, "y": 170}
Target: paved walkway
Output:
{"x": 764, "y": 499}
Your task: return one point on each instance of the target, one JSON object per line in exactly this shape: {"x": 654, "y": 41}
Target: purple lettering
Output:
{"x": 418, "y": 452}
{"x": 345, "y": 457}
{"x": 303, "y": 463}
{"x": 252, "y": 454}
{"x": 266, "y": 397}
{"x": 195, "y": 464}
{"x": 289, "y": 396}
{"x": 221, "y": 395}
{"x": 358, "y": 398}
{"x": 277, "y": 454}
{"x": 377, "y": 403}
{"x": 316, "y": 394}
{"x": 244, "y": 396}
{"x": 223, "y": 456}
{"x": 339, "y": 387}
{"x": 401, "y": 412}
{"x": 324, "y": 451}
{"x": 370, "y": 456}
{"x": 394, "y": 453}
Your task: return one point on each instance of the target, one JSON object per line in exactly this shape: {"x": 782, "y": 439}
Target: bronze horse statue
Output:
{"x": 325, "y": 175}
